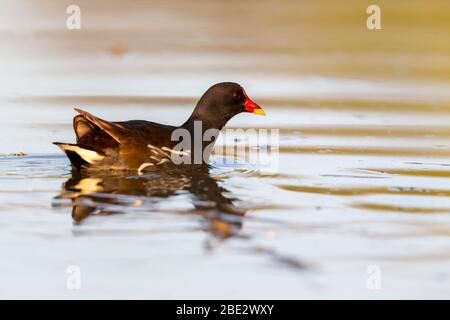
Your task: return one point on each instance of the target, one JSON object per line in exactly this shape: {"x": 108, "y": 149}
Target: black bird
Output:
{"x": 139, "y": 144}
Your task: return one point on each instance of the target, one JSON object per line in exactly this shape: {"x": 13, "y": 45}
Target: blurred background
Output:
{"x": 298, "y": 53}
{"x": 364, "y": 147}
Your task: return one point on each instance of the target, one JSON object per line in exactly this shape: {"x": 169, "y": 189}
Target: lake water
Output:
{"x": 362, "y": 187}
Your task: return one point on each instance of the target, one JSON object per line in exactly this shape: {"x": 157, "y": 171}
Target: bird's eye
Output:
{"x": 237, "y": 96}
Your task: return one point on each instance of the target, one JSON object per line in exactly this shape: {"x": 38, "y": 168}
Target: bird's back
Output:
{"x": 115, "y": 145}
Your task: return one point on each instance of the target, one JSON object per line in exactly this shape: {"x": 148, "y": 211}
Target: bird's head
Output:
{"x": 223, "y": 101}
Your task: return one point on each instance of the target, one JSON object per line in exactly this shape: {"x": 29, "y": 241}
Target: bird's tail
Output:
{"x": 80, "y": 156}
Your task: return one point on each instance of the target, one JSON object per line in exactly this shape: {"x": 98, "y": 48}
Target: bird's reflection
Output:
{"x": 106, "y": 193}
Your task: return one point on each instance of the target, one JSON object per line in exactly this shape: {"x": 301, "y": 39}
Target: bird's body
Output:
{"x": 116, "y": 145}
{"x": 139, "y": 144}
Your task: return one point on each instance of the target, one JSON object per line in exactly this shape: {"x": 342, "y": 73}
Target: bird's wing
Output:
{"x": 114, "y": 130}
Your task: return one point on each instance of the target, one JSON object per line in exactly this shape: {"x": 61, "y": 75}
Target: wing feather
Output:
{"x": 114, "y": 130}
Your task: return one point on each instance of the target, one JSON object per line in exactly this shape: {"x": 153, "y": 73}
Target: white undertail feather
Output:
{"x": 89, "y": 156}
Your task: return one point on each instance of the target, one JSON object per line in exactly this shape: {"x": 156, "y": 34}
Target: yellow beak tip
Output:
{"x": 259, "y": 111}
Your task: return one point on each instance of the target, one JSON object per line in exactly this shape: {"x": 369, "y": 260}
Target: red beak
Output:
{"x": 251, "y": 106}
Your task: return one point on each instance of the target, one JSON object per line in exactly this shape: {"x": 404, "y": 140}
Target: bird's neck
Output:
{"x": 203, "y": 133}
{"x": 196, "y": 123}
{"x": 206, "y": 119}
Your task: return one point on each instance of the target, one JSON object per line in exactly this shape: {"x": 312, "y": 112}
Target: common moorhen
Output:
{"x": 139, "y": 144}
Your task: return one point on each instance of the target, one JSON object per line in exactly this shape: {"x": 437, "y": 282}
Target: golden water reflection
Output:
{"x": 107, "y": 193}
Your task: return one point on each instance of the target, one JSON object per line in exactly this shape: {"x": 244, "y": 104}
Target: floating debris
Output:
{"x": 19, "y": 154}
{"x": 118, "y": 49}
